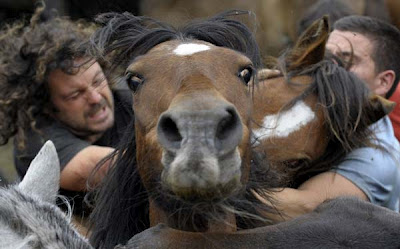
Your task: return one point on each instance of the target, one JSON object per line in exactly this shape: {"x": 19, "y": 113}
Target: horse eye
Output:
{"x": 246, "y": 74}
{"x": 134, "y": 81}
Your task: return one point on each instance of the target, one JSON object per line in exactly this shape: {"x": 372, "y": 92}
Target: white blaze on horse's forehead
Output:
{"x": 190, "y": 48}
{"x": 285, "y": 123}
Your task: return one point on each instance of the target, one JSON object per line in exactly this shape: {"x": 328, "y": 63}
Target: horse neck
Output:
{"x": 193, "y": 223}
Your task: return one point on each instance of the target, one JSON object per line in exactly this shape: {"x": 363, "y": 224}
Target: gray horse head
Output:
{"x": 28, "y": 216}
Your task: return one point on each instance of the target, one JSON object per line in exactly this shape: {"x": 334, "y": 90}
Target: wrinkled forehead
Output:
{"x": 346, "y": 41}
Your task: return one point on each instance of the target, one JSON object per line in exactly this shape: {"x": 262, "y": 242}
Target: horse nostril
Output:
{"x": 219, "y": 127}
{"x": 167, "y": 127}
{"x": 229, "y": 131}
{"x": 227, "y": 125}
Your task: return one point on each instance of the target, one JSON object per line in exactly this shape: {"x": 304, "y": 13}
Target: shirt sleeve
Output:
{"x": 67, "y": 146}
{"x": 375, "y": 172}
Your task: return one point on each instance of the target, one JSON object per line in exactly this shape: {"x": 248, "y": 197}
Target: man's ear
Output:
{"x": 386, "y": 80}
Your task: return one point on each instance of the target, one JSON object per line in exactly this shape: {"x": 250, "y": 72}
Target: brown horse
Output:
{"x": 311, "y": 107}
{"x": 192, "y": 110}
{"x": 310, "y": 113}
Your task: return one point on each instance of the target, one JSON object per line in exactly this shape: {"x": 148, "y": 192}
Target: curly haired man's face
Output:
{"x": 83, "y": 101}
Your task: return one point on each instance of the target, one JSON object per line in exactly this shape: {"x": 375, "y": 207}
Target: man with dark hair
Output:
{"x": 372, "y": 50}
{"x": 50, "y": 90}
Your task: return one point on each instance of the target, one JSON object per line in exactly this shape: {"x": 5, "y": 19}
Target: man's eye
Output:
{"x": 99, "y": 81}
{"x": 73, "y": 96}
{"x": 348, "y": 63}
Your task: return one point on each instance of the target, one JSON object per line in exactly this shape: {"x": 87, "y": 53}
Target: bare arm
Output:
{"x": 295, "y": 202}
{"x": 79, "y": 168}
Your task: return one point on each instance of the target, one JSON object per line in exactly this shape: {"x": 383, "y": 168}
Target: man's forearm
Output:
{"x": 79, "y": 169}
{"x": 292, "y": 203}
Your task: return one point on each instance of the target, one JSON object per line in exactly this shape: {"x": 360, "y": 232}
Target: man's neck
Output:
{"x": 87, "y": 136}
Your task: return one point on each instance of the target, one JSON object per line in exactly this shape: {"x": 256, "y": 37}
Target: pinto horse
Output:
{"x": 310, "y": 112}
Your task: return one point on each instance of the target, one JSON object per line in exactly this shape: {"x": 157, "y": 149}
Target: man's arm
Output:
{"x": 295, "y": 202}
{"x": 77, "y": 171}
{"x": 369, "y": 173}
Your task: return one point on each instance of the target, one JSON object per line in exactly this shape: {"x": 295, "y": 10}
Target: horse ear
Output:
{"x": 310, "y": 47}
{"x": 380, "y": 107}
{"x": 42, "y": 179}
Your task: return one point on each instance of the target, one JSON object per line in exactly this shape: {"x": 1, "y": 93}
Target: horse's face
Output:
{"x": 191, "y": 109}
{"x": 288, "y": 134}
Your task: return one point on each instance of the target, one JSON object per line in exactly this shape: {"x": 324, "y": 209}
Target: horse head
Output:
{"x": 29, "y": 217}
{"x": 311, "y": 112}
{"x": 192, "y": 114}
{"x": 192, "y": 108}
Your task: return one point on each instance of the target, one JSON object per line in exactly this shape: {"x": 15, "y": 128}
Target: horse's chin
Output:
{"x": 201, "y": 178}
{"x": 202, "y": 195}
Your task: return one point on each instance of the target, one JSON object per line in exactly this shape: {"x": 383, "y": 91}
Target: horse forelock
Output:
{"x": 125, "y": 36}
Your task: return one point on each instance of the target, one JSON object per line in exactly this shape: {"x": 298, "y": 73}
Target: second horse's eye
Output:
{"x": 134, "y": 81}
{"x": 246, "y": 74}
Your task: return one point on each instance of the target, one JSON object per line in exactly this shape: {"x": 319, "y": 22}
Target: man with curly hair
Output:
{"x": 50, "y": 90}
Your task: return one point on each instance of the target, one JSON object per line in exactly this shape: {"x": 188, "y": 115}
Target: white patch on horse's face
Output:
{"x": 285, "y": 123}
{"x": 190, "y": 48}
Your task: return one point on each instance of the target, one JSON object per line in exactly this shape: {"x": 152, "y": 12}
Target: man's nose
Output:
{"x": 332, "y": 48}
{"x": 93, "y": 96}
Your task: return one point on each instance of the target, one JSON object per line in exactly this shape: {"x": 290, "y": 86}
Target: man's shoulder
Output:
{"x": 380, "y": 161}
{"x": 66, "y": 143}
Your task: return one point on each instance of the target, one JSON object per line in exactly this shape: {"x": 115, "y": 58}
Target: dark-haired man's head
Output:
{"x": 82, "y": 101}
{"x": 46, "y": 72}
{"x": 371, "y": 48}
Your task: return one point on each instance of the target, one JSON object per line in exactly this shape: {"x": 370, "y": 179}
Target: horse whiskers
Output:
{"x": 197, "y": 215}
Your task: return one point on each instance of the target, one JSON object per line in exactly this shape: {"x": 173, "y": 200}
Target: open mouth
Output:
{"x": 99, "y": 115}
